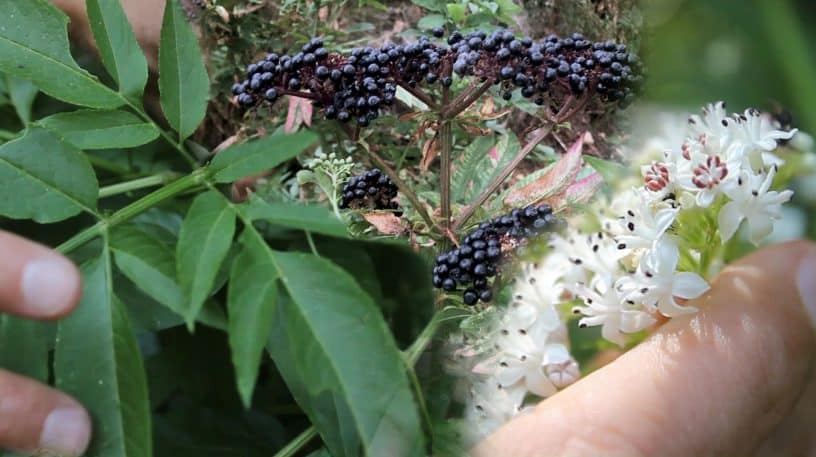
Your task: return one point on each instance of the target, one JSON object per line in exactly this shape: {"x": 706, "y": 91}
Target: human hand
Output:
{"x": 37, "y": 283}
{"x": 734, "y": 379}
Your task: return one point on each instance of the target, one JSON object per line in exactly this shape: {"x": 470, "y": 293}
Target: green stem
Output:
{"x": 409, "y": 194}
{"x": 311, "y": 243}
{"x": 133, "y": 210}
{"x": 136, "y": 184}
{"x": 301, "y": 440}
{"x": 107, "y": 165}
{"x": 446, "y": 147}
{"x": 176, "y": 144}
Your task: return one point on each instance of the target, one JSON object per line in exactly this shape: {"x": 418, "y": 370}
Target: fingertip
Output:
{"x": 50, "y": 287}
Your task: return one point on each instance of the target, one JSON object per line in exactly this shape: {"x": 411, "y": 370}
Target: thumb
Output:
{"x": 715, "y": 383}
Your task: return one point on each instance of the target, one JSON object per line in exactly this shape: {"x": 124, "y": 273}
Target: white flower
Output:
{"x": 656, "y": 282}
{"x": 604, "y": 305}
{"x": 756, "y": 137}
{"x": 752, "y": 201}
{"x": 705, "y": 171}
{"x": 643, "y": 225}
{"x": 713, "y": 125}
{"x": 489, "y": 407}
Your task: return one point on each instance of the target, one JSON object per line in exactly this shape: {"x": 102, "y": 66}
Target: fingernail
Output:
{"x": 66, "y": 432}
{"x": 48, "y": 285}
{"x": 806, "y": 282}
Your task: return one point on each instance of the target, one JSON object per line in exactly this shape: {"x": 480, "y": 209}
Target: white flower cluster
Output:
{"x": 640, "y": 265}
{"x": 522, "y": 352}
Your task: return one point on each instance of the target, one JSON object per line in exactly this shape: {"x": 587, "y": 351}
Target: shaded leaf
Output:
{"x": 97, "y": 361}
{"x": 256, "y": 156}
{"x": 24, "y": 347}
{"x": 610, "y": 171}
{"x": 117, "y": 45}
{"x": 22, "y": 93}
{"x": 34, "y": 46}
{"x": 299, "y": 112}
{"x": 555, "y": 180}
{"x": 251, "y": 302}
{"x": 149, "y": 264}
{"x": 204, "y": 241}
{"x": 472, "y": 161}
{"x": 98, "y": 129}
{"x": 184, "y": 86}
{"x": 316, "y": 219}
{"x": 49, "y": 179}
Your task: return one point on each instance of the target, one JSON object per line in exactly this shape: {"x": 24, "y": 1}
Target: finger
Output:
{"x": 35, "y": 281}
{"x": 39, "y": 420}
{"x": 710, "y": 384}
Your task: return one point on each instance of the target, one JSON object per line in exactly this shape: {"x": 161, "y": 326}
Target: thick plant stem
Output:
{"x": 133, "y": 210}
{"x": 446, "y": 146}
{"x": 403, "y": 188}
{"x": 467, "y": 98}
{"x": 136, "y": 184}
{"x": 419, "y": 95}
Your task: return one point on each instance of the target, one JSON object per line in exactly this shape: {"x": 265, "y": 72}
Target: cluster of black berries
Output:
{"x": 372, "y": 189}
{"x": 357, "y": 85}
{"x": 478, "y": 258}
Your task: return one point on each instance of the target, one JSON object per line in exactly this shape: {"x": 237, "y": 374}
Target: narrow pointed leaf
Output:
{"x": 49, "y": 179}
{"x": 101, "y": 129}
{"x": 22, "y": 93}
{"x": 97, "y": 361}
{"x": 312, "y": 218}
{"x": 610, "y": 170}
{"x": 204, "y": 241}
{"x": 184, "y": 86}
{"x": 256, "y": 156}
{"x": 474, "y": 158}
{"x": 149, "y": 264}
{"x": 24, "y": 347}
{"x": 117, "y": 45}
{"x": 34, "y": 46}
{"x": 321, "y": 333}
{"x": 251, "y": 302}
{"x": 553, "y": 181}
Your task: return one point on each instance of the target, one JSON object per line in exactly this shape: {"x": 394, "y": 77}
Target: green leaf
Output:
{"x": 432, "y": 20}
{"x": 432, "y": 5}
{"x": 117, "y": 45}
{"x": 473, "y": 160}
{"x": 316, "y": 219}
{"x": 101, "y": 129}
{"x": 149, "y": 264}
{"x": 251, "y": 301}
{"x": 204, "y": 241}
{"x": 456, "y": 12}
{"x": 320, "y": 336}
{"x": 34, "y": 46}
{"x": 97, "y": 361}
{"x": 49, "y": 179}
{"x": 611, "y": 171}
{"x": 184, "y": 86}
{"x": 254, "y": 157}
{"x": 24, "y": 347}
{"x": 22, "y": 93}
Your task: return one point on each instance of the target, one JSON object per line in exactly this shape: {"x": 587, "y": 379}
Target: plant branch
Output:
{"x": 296, "y": 444}
{"x": 465, "y": 99}
{"x": 446, "y": 146}
{"x": 136, "y": 184}
{"x": 418, "y": 93}
{"x": 402, "y": 187}
{"x": 132, "y": 210}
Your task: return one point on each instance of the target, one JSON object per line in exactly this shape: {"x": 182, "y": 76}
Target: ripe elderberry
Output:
{"x": 371, "y": 189}
{"x": 546, "y": 71}
{"x": 479, "y": 256}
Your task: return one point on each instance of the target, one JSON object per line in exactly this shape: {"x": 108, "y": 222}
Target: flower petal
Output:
{"x": 759, "y": 227}
{"x": 730, "y": 218}
{"x": 689, "y": 285}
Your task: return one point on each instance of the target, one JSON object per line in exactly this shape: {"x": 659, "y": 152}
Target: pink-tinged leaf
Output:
{"x": 579, "y": 192}
{"x": 494, "y": 154}
{"x": 386, "y": 223}
{"x": 300, "y": 112}
{"x": 553, "y": 182}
